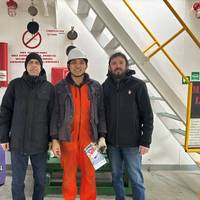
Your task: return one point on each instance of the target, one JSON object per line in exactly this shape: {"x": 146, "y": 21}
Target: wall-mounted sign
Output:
{"x": 48, "y": 58}
{"x": 55, "y": 32}
{"x": 31, "y": 41}
{"x": 50, "y": 47}
{"x": 194, "y": 125}
{"x": 195, "y": 76}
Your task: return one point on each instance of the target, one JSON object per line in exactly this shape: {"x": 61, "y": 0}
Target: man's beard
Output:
{"x": 119, "y": 75}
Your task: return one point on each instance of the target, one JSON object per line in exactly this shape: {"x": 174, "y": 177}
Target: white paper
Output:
{"x": 97, "y": 158}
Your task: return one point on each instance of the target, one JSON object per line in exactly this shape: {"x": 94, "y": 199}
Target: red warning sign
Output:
{"x": 31, "y": 41}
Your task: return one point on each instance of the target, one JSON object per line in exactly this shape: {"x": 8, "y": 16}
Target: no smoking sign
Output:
{"x": 31, "y": 41}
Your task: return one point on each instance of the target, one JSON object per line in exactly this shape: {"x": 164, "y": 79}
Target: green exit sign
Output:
{"x": 195, "y": 76}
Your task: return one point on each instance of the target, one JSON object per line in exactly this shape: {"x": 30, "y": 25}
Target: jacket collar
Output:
{"x": 86, "y": 80}
{"x": 32, "y": 80}
{"x": 126, "y": 77}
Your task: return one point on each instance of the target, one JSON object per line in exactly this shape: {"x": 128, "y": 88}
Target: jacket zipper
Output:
{"x": 79, "y": 89}
{"x": 29, "y": 113}
{"x": 117, "y": 121}
{"x": 25, "y": 127}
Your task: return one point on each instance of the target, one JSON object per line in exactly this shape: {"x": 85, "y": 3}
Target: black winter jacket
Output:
{"x": 64, "y": 110}
{"x": 128, "y": 110}
{"x": 26, "y": 113}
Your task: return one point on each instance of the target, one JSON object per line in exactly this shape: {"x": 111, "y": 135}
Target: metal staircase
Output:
{"x": 111, "y": 36}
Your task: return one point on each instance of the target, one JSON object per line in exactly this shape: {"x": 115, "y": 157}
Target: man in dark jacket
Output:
{"x": 78, "y": 119}
{"x": 129, "y": 122}
{"x": 24, "y": 125}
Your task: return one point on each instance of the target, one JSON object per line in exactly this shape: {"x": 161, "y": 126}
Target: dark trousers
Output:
{"x": 19, "y": 163}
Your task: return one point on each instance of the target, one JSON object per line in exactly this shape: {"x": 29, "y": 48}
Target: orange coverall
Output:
{"x": 72, "y": 153}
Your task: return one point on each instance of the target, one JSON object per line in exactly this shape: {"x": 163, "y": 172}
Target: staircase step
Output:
{"x": 98, "y": 25}
{"x": 196, "y": 158}
{"x": 146, "y": 80}
{"x": 111, "y": 46}
{"x": 83, "y": 8}
{"x": 131, "y": 62}
{"x": 156, "y": 98}
{"x": 179, "y": 131}
{"x": 168, "y": 115}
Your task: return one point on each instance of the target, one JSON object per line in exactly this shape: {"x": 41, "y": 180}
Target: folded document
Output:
{"x": 97, "y": 158}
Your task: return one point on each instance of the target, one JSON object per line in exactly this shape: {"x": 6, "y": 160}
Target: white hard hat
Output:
{"x": 76, "y": 54}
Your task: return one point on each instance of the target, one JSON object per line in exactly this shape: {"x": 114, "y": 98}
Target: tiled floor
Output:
{"x": 160, "y": 185}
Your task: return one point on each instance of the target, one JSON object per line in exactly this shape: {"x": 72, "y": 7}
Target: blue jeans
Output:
{"x": 19, "y": 163}
{"x": 129, "y": 156}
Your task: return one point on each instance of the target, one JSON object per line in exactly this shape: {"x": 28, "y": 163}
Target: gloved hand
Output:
{"x": 101, "y": 145}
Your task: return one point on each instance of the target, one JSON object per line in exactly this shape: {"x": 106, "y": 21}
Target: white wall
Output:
{"x": 12, "y": 32}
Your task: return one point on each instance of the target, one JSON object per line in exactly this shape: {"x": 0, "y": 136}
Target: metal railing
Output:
{"x": 161, "y": 48}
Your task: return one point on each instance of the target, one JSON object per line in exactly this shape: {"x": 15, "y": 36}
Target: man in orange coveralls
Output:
{"x": 78, "y": 120}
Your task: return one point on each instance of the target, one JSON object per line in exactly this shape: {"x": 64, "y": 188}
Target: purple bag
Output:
{"x": 2, "y": 166}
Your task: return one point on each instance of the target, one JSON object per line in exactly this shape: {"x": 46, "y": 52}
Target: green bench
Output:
{"x": 103, "y": 179}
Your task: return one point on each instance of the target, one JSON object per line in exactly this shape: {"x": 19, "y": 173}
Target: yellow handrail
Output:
{"x": 166, "y": 43}
{"x": 189, "y": 101}
{"x": 161, "y": 47}
{"x": 155, "y": 41}
{"x": 140, "y": 20}
{"x": 182, "y": 23}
